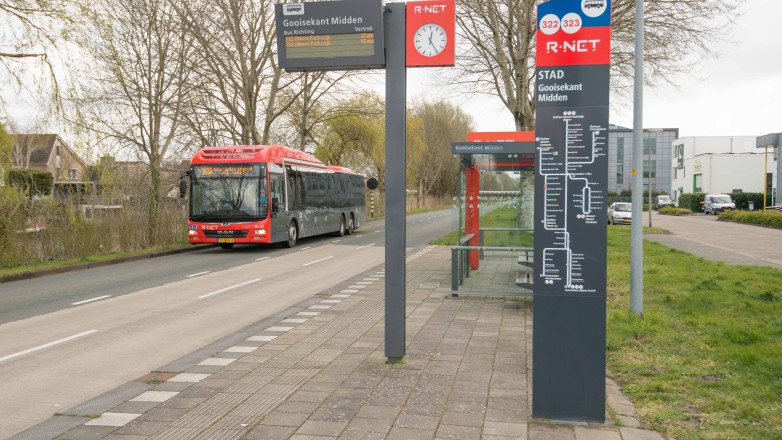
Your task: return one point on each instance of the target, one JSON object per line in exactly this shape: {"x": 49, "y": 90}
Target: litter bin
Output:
{"x": 751, "y": 205}
{"x": 700, "y": 204}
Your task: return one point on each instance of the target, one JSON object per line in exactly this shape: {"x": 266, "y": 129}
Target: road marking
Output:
{"x": 316, "y": 261}
{"x": 199, "y": 274}
{"x": 305, "y": 248}
{"x": 47, "y": 345}
{"x": 90, "y": 300}
{"x": 262, "y": 258}
{"x": 217, "y": 292}
{"x": 362, "y": 247}
{"x": 335, "y": 241}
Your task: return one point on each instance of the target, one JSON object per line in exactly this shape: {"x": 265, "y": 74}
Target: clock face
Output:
{"x": 430, "y": 39}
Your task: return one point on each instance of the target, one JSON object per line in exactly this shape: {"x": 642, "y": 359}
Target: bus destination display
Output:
{"x": 333, "y": 35}
{"x": 330, "y": 45}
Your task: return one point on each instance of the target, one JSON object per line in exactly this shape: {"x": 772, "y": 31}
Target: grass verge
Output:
{"x": 82, "y": 260}
{"x": 705, "y": 361}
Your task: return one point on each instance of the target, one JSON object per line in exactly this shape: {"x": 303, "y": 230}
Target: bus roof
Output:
{"x": 259, "y": 153}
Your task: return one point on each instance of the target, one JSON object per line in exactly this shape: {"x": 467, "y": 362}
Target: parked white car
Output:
{"x": 620, "y": 213}
{"x": 714, "y": 203}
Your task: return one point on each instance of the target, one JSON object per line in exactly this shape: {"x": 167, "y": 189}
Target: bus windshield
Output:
{"x": 228, "y": 192}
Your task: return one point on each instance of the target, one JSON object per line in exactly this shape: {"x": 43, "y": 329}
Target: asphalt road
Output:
{"x": 67, "y": 338}
{"x": 728, "y": 242}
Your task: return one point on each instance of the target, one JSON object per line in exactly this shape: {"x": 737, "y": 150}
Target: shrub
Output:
{"x": 670, "y": 210}
{"x": 766, "y": 218}
{"x": 691, "y": 201}
{"x": 742, "y": 200}
{"x": 36, "y": 183}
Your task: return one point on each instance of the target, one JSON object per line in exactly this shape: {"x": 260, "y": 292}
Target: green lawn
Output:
{"x": 503, "y": 217}
{"x": 705, "y": 361}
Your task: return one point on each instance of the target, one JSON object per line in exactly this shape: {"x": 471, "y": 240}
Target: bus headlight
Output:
{"x": 260, "y": 232}
{"x": 192, "y": 232}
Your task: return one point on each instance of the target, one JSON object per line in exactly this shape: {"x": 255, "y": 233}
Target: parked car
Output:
{"x": 663, "y": 201}
{"x": 714, "y": 203}
{"x": 620, "y": 213}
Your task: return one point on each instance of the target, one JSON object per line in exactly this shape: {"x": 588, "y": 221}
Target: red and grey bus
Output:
{"x": 269, "y": 194}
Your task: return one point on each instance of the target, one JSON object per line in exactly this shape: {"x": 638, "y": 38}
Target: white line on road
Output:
{"x": 90, "y": 300}
{"x": 50, "y": 344}
{"x": 199, "y": 274}
{"x": 362, "y": 247}
{"x": 316, "y": 261}
{"x": 335, "y": 241}
{"x": 262, "y": 258}
{"x": 217, "y": 292}
{"x": 305, "y": 248}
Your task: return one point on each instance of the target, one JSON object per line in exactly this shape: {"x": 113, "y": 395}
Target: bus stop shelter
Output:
{"x": 495, "y": 207}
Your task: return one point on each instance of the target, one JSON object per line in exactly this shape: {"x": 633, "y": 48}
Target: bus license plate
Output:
{"x": 225, "y": 240}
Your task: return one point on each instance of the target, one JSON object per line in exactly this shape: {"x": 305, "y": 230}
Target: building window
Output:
{"x": 71, "y": 173}
{"x": 650, "y": 165}
{"x": 620, "y": 160}
{"x": 650, "y": 146}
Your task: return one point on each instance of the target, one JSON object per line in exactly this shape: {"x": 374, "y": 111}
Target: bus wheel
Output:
{"x": 341, "y": 231}
{"x": 226, "y": 245}
{"x": 349, "y": 229}
{"x": 293, "y": 234}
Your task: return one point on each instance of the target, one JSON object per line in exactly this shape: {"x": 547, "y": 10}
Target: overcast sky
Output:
{"x": 737, "y": 94}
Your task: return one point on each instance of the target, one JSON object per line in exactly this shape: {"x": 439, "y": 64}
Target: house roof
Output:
{"x": 40, "y": 147}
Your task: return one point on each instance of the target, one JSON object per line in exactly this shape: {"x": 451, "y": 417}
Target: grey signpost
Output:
{"x": 362, "y": 34}
{"x": 396, "y": 133}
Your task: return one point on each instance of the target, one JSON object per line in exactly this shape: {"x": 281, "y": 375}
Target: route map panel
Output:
{"x": 571, "y": 119}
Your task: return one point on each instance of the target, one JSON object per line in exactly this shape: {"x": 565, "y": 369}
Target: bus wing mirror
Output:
{"x": 182, "y": 188}
{"x": 275, "y": 204}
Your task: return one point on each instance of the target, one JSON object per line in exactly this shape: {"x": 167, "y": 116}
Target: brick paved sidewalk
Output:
{"x": 321, "y": 373}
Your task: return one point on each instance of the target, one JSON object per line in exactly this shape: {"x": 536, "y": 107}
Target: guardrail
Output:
{"x": 460, "y": 265}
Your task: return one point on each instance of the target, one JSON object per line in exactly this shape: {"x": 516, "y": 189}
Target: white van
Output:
{"x": 714, "y": 203}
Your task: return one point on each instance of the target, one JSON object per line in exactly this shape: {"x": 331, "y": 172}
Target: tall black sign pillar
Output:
{"x": 396, "y": 133}
{"x": 571, "y": 173}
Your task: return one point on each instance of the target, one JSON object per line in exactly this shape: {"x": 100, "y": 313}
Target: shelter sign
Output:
{"x": 571, "y": 119}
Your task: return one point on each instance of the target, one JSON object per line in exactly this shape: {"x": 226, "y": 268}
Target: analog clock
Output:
{"x": 430, "y": 39}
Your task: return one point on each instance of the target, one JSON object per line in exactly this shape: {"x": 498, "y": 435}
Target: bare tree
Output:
{"x": 498, "y": 45}
{"x": 235, "y": 98}
{"x": 136, "y": 88}
{"x": 30, "y": 30}
{"x": 434, "y": 168}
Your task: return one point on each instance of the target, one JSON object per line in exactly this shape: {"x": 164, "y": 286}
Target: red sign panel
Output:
{"x": 430, "y": 33}
{"x": 590, "y": 45}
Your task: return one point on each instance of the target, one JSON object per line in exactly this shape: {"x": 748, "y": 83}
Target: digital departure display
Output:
{"x": 330, "y": 35}
{"x": 330, "y": 45}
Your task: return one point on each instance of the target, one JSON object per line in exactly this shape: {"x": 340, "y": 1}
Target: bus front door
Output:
{"x": 279, "y": 219}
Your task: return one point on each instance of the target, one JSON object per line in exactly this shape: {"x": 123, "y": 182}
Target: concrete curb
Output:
{"x": 90, "y": 265}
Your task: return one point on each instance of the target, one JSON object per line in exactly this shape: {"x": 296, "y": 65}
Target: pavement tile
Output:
{"x": 266, "y": 432}
{"x": 417, "y": 422}
{"x": 285, "y": 419}
{"x": 87, "y": 432}
{"x": 410, "y": 434}
{"x": 551, "y": 433}
{"x": 595, "y": 434}
{"x": 142, "y": 427}
{"x": 112, "y": 419}
{"x": 458, "y": 432}
{"x": 505, "y": 428}
{"x": 322, "y": 427}
{"x": 378, "y": 412}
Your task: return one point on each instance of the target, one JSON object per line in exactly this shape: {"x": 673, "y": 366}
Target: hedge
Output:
{"x": 691, "y": 201}
{"x": 36, "y": 183}
{"x": 767, "y": 218}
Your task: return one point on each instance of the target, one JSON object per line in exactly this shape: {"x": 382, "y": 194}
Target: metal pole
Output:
{"x": 636, "y": 233}
{"x": 396, "y": 129}
{"x": 650, "y": 184}
{"x": 765, "y": 177}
